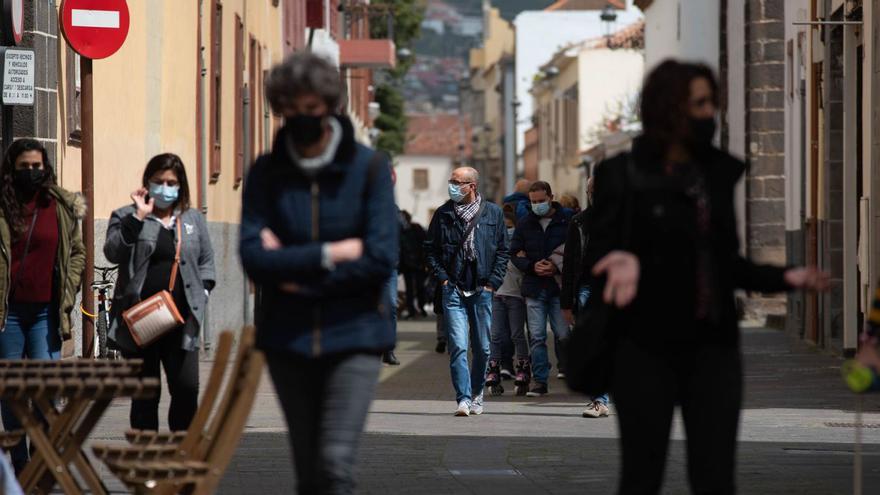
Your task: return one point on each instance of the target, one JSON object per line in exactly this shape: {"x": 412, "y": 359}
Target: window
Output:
{"x": 216, "y": 88}
{"x": 420, "y": 179}
{"x": 73, "y": 97}
{"x": 238, "y": 114}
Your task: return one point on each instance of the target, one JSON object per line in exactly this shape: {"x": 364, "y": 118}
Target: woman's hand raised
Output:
{"x": 144, "y": 206}
{"x": 622, "y": 270}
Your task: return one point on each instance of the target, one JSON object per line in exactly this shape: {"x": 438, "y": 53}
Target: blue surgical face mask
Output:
{"x": 541, "y": 209}
{"x": 163, "y": 196}
{"x": 455, "y": 193}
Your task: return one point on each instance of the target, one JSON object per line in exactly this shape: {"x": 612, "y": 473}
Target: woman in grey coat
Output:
{"x": 142, "y": 239}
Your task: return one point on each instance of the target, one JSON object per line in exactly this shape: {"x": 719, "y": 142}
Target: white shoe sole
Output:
{"x": 534, "y": 394}
{"x": 462, "y": 414}
{"x": 476, "y": 412}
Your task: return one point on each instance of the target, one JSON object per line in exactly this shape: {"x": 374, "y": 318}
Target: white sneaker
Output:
{"x": 477, "y": 406}
{"x": 464, "y": 409}
{"x": 560, "y": 375}
{"x": 595, "y": 410}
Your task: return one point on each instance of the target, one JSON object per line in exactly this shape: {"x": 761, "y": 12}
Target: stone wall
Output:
{"x": 40, "y": 35}
{"x": 765, "y": 138}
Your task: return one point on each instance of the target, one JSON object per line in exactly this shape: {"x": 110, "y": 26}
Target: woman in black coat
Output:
{"x": 664, "y": 248}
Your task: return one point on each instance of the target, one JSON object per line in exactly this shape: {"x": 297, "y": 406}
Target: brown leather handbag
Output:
{"x": 156, "y": 315}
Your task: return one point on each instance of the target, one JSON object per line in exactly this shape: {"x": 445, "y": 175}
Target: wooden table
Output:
{"x": 89, "y": 387}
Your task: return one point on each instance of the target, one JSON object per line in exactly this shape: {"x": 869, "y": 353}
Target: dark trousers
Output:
{"x": 414, "y": 281}
{"x": 706, "y": 381}
{"x": 182, "y": 374}
{"x": 325, "y": 403}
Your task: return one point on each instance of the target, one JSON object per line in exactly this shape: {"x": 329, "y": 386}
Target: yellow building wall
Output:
{"x": 145, "y": 100}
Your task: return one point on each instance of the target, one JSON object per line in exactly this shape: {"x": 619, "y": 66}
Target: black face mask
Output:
{"x": 305, "y": 130}
{"x": 28, "y": 181}
{"x": 702, "y": 131}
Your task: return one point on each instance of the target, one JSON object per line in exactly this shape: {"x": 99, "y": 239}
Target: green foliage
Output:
{"x": 391, "y": 120}
{"x": 407, "y": 18}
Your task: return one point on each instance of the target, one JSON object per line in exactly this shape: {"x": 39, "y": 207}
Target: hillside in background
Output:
{"x": 450, "y": 29}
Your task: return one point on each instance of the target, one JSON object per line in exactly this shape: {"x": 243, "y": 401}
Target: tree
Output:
{"x": 406, "y": 23}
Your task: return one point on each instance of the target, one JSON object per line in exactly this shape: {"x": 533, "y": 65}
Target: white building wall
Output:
{"x": 420, "y": 203}
{"x": 795, "y": 117}
{"x": 539, "y": 35}
{"x": 606, "y": 78}
{"x": 685, "y": 29}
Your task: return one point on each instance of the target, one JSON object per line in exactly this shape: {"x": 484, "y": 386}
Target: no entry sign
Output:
{"x": 94, "y": 28}
{"x": 13, "y": 21}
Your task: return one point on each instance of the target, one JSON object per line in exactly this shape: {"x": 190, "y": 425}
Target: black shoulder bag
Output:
{"x": 438, "y": 290}
{"x": 593, "y": 343}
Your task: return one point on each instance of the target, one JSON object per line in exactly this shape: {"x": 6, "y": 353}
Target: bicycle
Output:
{"x": 102, "y": 287}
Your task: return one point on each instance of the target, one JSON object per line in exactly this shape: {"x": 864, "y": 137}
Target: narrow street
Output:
{"x": 796, "y": 434}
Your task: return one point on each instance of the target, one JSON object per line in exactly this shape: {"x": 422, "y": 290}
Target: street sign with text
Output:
{"x": 18, "y": 76}
{"x": 95, "y": 28}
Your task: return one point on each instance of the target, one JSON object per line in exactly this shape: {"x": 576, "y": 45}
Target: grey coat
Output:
{"x": 196, "y": 267}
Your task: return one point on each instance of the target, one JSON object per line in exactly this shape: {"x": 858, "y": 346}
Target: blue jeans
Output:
{"x": 540, "y": 310}
{"x": 583, "y": 296}
{"x": 508, "y": 328}
{"x": 467, "y": 322}
{"x": 391, "y": 286}
{"x": 31, "y": 332}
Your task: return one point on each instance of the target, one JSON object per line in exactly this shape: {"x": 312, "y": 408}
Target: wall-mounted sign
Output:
{"x": 13, "y": 21}
{"x": 95, "y": 28}
{"x": 18, "y": 68}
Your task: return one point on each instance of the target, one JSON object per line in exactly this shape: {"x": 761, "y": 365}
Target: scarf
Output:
{"x": 467, "y": 212}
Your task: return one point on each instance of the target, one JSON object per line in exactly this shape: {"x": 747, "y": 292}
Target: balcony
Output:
{"x": 367, "y": 53}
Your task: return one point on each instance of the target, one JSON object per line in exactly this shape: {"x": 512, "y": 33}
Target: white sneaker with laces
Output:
{"x": 464, "y": 409}
{"x": 477, "y": 406}
{"x": 594, "y": 410}
{"x": 604, "y": 410}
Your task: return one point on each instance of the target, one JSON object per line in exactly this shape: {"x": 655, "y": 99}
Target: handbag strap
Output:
{"x": 176, "y": 257}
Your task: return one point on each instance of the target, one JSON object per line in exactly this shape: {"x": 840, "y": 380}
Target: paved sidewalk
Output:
{"x": 796, "y": 434}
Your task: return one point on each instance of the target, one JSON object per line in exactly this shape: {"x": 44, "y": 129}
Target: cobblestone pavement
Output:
{"x": 796, "y": 433}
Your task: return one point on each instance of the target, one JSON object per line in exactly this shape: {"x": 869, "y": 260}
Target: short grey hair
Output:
{"x": 303, "y": 73}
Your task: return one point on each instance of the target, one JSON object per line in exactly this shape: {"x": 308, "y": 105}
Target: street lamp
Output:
{"x": 608, "y": 16}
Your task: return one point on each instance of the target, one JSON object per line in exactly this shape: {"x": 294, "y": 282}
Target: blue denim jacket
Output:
{"x": 490, "y": 242}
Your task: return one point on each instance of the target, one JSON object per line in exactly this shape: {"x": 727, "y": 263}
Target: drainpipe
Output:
{"x": 202, "y": 156}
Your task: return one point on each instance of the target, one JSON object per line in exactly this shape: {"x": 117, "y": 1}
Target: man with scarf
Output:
{"x": 467, "y": 251}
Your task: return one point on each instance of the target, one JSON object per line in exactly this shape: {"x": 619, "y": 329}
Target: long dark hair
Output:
{"x": 664, "y": 103}
{"x": 11, "y": 204}
{"x": 169, "y": 161}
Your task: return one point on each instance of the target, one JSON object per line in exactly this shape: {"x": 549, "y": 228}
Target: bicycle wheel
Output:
{"x": 101, "y": 331}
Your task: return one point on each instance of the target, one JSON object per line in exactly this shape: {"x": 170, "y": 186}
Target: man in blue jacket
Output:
{"x": 467, "y": 251}
{"x": 538, "y": 235}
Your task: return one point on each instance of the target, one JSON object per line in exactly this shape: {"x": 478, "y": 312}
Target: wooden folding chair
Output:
{"x": 169, "y": 443}
{"x": 197, "y": 463}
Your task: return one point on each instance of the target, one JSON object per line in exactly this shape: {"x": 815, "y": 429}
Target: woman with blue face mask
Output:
{"x": 143, "y": 239}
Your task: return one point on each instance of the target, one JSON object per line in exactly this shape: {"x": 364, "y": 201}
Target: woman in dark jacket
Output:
{"x": 664, "y": 248}
{"x": 142, "y": 239}
{"x": 319, "y": 233}
{"x": 41, "y": 264}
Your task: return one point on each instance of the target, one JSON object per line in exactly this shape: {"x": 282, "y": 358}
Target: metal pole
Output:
{"x": 88, "y": 189}
{"x": 7, "y": 127}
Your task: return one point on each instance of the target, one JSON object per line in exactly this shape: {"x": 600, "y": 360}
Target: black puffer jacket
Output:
{"x": 574, "y": 272}
{"x": 538, "y": 245}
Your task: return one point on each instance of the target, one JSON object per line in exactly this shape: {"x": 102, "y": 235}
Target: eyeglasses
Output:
{"x": 457, "y": 183}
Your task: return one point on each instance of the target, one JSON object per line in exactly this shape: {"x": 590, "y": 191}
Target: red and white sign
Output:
{"x": 13, "y": 21}
{"x": 95, "y": 28}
